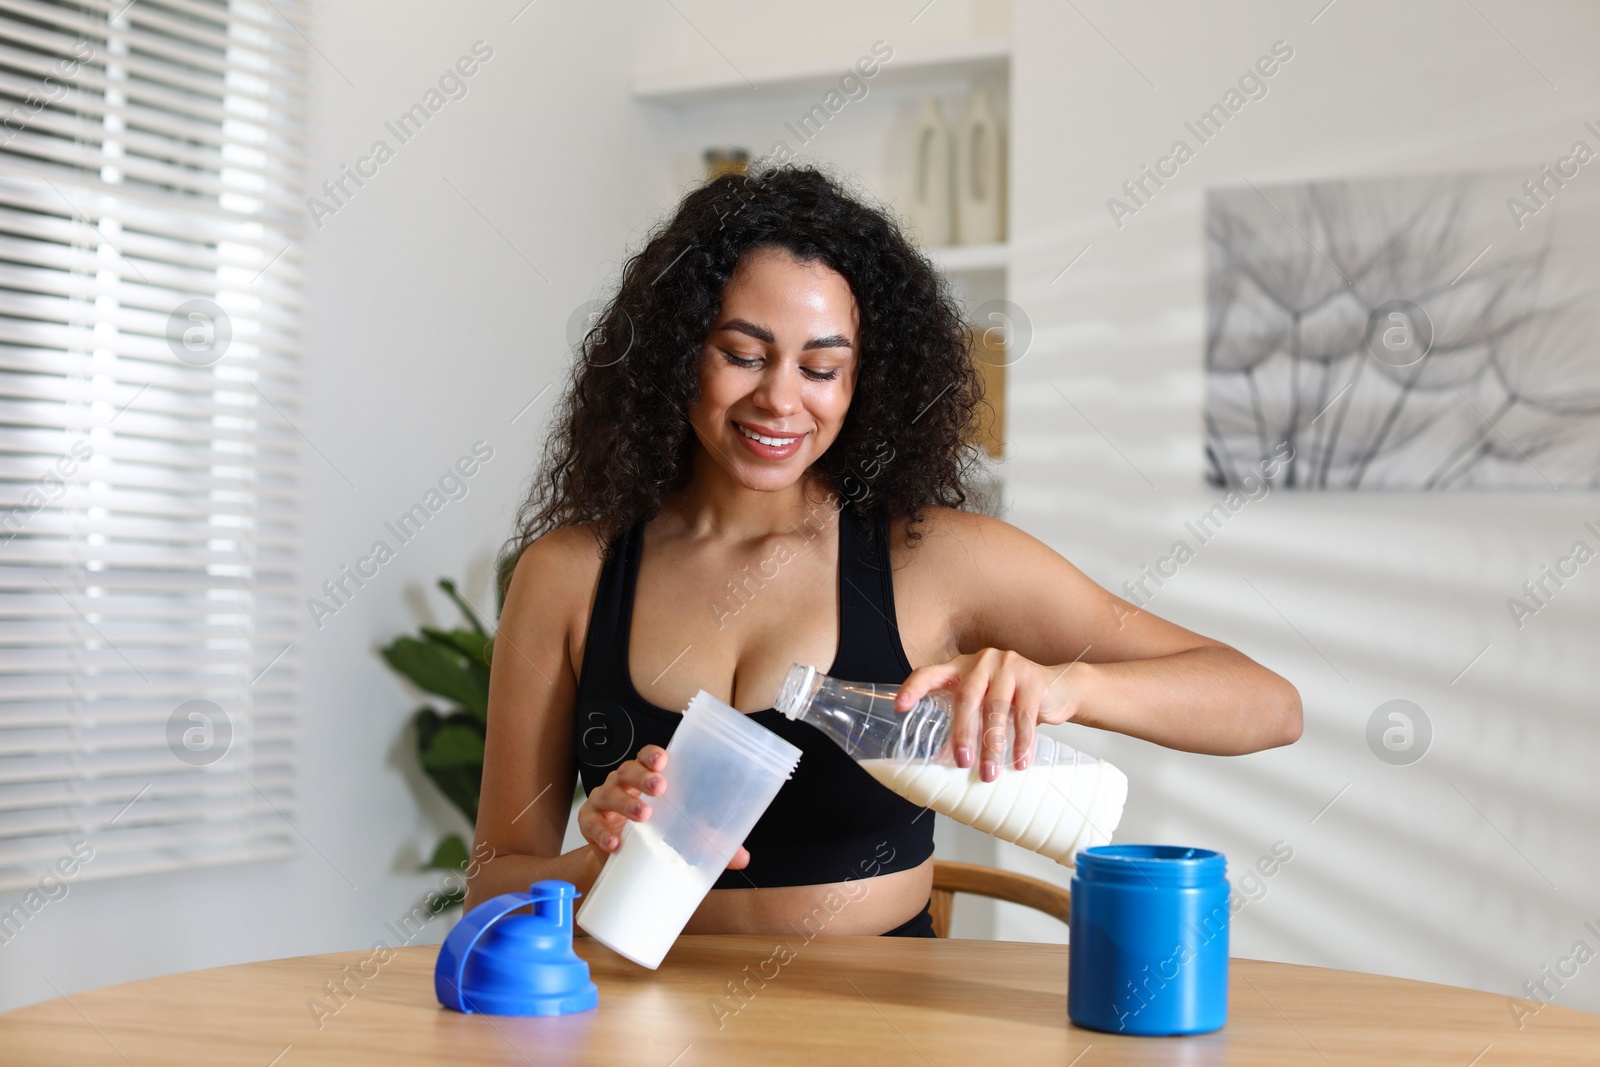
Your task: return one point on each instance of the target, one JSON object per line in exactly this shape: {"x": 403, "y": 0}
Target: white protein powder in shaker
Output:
{"x": 643, "y": 897}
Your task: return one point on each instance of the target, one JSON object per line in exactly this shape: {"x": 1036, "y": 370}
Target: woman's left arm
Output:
{"x": 1049, "y": 645}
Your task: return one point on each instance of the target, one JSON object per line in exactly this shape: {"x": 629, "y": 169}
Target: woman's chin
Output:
{"x": 759, "y": 473}
{"x": 770, "y": 481}
{"x": 768, "y": 477}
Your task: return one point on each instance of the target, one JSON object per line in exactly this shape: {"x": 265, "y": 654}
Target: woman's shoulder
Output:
{"x": 953, "y": 544}
{"x": 554, "y": 580}
{"x": 560, "y": 555}
{"x": 943, "y": 566}
{"x": 940, "y": 531}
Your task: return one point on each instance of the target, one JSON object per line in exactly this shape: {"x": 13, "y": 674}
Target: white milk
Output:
{"x": 643, "y": 897}
{"x": 1053, "y": 810}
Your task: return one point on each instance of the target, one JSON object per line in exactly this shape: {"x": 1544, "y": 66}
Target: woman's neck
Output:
{"x": 714, "y": 505}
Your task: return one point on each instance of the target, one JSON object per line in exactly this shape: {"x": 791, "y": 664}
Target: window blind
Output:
{"x": 150, "y": 345}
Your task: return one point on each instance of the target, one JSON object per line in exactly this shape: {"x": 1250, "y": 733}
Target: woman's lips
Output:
{"x": 764, "y": 450}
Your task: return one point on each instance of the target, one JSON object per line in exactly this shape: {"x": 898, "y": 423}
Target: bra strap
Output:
{"x": 605, "y": 642}
{"x": 870, "y": 645}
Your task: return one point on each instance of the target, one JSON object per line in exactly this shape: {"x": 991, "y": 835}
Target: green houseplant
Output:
{"x": 454, "y": 665}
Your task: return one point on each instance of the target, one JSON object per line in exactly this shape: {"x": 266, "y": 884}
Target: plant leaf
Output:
{"x": 454, "y": 744}
{"x": 441, "y": 670}
{"x": 460, "y": 786}
{"x": 469, "y": 643}
{"x": 453, "y": 664}
{"x": 474, "y": 646}
{"x": 450, "y": 749}
{"x": 449, "y": 855}
{"x": 449, "y": 588}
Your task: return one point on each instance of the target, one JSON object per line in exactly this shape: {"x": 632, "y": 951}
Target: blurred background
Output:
{"x": 204, "y": 253}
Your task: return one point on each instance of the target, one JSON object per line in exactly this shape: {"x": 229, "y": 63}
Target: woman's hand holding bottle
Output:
{"x": 992, "y": 689}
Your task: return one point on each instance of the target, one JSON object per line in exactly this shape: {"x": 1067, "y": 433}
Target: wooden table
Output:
{"x": 835, "y": 1000}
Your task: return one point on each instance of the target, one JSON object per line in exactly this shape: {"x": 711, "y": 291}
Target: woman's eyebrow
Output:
{"x": 761, "y": 333}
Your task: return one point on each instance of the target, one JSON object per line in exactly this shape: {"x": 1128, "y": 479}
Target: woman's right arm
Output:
{"x": 529, "y": 772}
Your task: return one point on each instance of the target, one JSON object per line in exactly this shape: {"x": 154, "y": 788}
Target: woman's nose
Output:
{"x": 777, "y": 392}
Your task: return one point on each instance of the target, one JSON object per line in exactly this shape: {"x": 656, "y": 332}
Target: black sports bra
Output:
{"x": 831, "y": 821}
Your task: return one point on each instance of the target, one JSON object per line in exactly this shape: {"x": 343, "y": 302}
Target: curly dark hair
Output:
{"x": 621, "y": 438}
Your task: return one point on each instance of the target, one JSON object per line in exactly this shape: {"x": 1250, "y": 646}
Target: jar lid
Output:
{"x": 1155, "y": 866}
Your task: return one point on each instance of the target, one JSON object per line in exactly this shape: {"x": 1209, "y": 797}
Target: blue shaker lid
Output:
{"x": 1174, "y": 866}
{"x": 497, "y": 963}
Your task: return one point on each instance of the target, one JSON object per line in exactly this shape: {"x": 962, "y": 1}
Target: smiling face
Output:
{"x": 777, "y": 370}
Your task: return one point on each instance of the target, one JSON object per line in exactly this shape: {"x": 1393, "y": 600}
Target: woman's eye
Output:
{"x": 751, "y": 361}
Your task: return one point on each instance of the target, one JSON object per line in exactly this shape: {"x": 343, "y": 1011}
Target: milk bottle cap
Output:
{"x": 497, "y": 963}
{"x": 795, "y": 690}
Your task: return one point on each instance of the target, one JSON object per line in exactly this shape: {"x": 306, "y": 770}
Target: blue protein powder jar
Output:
{"x": 1149, "y": 953}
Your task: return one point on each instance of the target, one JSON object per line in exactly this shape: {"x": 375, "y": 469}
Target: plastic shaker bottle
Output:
{"x": 723, "y": 769}
{"x": 1063, "y": 801}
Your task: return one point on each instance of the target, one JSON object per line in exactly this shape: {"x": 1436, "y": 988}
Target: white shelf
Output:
{"x": 965, "y": 57}
{"x": 970, "y": 258}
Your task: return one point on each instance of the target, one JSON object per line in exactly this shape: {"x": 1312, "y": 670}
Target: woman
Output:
{"x": 759, "y": 461}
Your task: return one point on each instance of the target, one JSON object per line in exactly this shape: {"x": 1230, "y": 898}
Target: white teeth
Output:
{"x": 775, "y": 442}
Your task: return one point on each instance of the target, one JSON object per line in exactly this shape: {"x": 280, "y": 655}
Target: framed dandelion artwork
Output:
{"x": 1414, "y": 333}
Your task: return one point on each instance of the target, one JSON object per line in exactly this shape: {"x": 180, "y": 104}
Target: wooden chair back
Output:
{"x": 950, "y": 878}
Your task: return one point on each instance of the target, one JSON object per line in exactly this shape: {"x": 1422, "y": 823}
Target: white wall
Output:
{"x": 1382, "y": 595}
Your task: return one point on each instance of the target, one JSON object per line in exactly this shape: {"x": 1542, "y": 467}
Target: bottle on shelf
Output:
{"x": 980, "y": 174}
{"x": 932, "y": 201}
{"x": 1062, "y": 802}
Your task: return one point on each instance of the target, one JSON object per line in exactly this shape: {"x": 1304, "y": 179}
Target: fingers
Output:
{"x": 622, "y": 796}
{"x": 602, "y": 829}
{"x": 999, "y": 688}
{"x": 967, "y": 710}
{"x": 996, "y": 719}
{"x": 638, "y": 776}
{"x": 1028, "y": 705}
{"x": 995, "y": 694}
{"x": 741, "y": 859}
{"x": 920, "y": 682}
